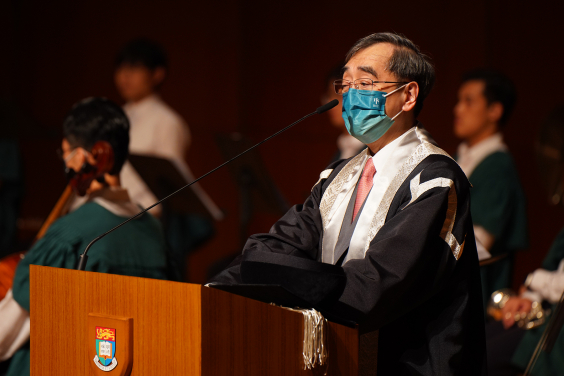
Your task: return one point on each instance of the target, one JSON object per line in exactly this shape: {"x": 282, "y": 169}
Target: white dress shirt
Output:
{"x": 545, "y": 285}
{"x": 348, "y": 145}
{"x": 469, "y": 157}
{"x": 158, "y": 131}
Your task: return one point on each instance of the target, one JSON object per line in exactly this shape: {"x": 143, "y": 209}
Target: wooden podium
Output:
{"x": 175, "y": 329}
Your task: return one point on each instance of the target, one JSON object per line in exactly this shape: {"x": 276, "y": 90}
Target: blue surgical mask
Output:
{"x": 365, "y": 115}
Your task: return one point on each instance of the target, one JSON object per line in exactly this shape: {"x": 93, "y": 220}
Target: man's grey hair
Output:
{"x": 407, "y": 62}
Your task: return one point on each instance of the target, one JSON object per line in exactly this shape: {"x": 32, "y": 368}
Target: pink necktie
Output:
{"x": 364, "y": 186}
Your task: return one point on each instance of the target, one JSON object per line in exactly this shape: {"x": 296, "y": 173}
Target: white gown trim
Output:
{"x": 393, "y": 164}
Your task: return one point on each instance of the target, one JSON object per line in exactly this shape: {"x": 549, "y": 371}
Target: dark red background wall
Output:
{"x": 254, "y": 67}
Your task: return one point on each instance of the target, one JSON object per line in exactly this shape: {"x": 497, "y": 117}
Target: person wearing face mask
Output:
{"x": 485, "y": 101}
{"x": 392, "y": 225}
{"x": 347, "y": 145}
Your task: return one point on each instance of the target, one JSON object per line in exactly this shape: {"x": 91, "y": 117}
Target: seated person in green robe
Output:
{"x": 485, "y": 101}
{"x": 510, "y": 348}
{"x": 94, "y": 148}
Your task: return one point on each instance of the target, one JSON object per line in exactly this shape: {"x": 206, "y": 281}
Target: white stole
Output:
{"x": 393, "y": 164}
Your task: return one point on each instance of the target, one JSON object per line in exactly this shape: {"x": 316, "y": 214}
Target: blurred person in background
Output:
{"x": 94, "y": 149}
{"x": 348, "y": 145}
{"x": 159, "y": 131}
{"x": 485, "y": 101}
{"x": 510, "y": 346}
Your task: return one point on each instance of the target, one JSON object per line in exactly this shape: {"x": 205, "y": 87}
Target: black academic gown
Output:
{"x": 422, "y": 293}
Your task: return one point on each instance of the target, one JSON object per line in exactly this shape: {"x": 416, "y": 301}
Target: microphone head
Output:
{"x": 327, "y": 106}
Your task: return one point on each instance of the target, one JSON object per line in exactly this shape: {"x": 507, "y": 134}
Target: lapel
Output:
{"x": 400, "y": 158}
{"x": 347, "y": 228}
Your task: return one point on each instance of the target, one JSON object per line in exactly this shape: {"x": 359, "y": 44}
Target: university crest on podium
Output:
{"x": 105, "y": 348}
{"x": 110, "y": 344}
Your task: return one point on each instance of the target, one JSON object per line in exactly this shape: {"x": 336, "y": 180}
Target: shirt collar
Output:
{"x": 470, "y": 157}
{"x": 116, "y": 200}
{"x": 144, "y": 103}
{"x": 348, "y": 145}
{"x": 379, "y": 159}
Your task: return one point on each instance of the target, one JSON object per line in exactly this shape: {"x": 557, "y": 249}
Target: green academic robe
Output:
{"x": 137, "y": 249}
{"x": 553, "y": 363}
{"x": 498, "y": 205}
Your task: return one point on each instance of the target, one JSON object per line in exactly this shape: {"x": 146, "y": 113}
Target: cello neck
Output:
{"x": 57, "y": 212}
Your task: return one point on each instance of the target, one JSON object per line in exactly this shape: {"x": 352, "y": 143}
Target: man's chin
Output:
{"x": 460, "y": 132}
{"x": 128, "y": 95}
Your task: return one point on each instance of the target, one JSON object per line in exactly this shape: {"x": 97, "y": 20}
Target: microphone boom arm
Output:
{"x": 84, "y": 257}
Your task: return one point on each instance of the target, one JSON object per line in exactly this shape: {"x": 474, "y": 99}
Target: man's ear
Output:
{"x": 411, "y": 92}
{"x": 104, "y": 155}
{"x": 495, "y": 112}
{"x": 159, "y": 75}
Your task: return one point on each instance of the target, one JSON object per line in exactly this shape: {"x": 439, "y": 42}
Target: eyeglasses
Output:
{"x": 342, "y": 86}
{"x": 61, "y": 154}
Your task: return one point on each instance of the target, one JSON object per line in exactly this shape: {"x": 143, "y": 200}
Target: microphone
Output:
{"x": 84, "y": 257}
{"x": 327, "y": 106}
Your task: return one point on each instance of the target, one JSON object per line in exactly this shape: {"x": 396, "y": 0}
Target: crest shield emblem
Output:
{"x": 105, "y": 348}
{"x": 111, "y": 344}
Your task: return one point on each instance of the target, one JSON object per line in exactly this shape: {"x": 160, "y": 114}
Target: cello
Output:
{"x": 79, "y": 182}
{"x": 9, "y": 263}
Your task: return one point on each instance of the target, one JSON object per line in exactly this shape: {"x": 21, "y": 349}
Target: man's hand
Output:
{"x": 512, "y": 307}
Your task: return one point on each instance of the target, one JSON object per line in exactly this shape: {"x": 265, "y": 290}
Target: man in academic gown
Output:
{"x": 485, "y": 101}
{"x": 94, "y": 148}
{"x": 395, "y": 219}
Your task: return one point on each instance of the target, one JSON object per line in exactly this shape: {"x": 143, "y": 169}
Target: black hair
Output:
{"x": 98, "y": 119}
{"x": 406, "y": 63}
{"x": 144, "y": 52}
{"x": 497, "y": 88}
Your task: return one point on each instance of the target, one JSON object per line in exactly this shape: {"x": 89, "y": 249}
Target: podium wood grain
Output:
{"x": 178, "y": 328}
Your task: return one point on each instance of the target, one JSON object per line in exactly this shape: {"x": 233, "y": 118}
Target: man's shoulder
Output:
{"x": 167, "y": 115}
{"x": 499, "y": 159}
{"x": 91, "y": 220}
{"x": 95, "y": 217}
{"x": 86, "y": 210}
{"x": 67, "y": 234}
{"x": 333, "y": 170}
{"x": 76, "y": 222}
{"x": 439, "y": 166}
{"x": 442, "y": 163}
{"x": 499, "y": 164}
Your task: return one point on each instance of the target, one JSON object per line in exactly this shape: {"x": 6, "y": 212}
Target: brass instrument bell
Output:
{"x": 536, "y": 317}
